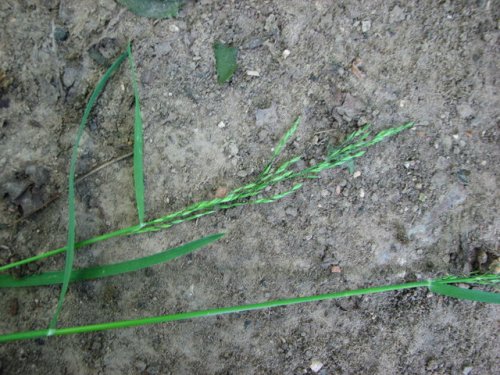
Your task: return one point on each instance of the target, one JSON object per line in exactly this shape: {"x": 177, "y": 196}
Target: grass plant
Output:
{"x": 286, "y": 176}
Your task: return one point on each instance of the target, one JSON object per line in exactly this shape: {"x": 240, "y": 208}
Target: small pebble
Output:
{"x": 361, "y": 193}
{"x": 338, "y": 190}
{"x": 286, "y": 53}
{"x": 221, "y": 192}
{"x": 316, "y": 365}
{"x": 221, "y": 125}
{"x": 356, "y": 174}
{"x": 253, "y": 73}
{"x": 61, "y": 34}
{"x": 366, "y": 26}
{"x": 336, "y": 269}
{"x": 174, "y": 28}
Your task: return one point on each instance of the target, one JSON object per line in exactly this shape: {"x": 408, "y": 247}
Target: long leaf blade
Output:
{"x": 484, "y": 279}
{"x": 138, "y": 142}
{"x": 51, "y": 278}
{"x": 70, "y": 246}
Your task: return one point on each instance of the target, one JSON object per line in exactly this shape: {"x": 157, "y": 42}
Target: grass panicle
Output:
{"x": 353, "y": 147}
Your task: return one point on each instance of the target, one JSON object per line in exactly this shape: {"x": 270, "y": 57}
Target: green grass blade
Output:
{"x": 242, "y": 308}
{"x": 50, "y": 278}
{"x": 464, "y": 294}
{"x": 138, "y": 141}
{"x": 70, "y": 247}
{"x": 225, "y": 61}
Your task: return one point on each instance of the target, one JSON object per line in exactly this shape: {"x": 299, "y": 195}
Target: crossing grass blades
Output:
{"x": 274, "y": 175}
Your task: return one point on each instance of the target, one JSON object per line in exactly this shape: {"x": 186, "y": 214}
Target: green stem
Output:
{"x": 235, "y": 309}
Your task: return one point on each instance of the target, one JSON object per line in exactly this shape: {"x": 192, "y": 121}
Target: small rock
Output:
{"x": 356, "y": 174}
{"x": 286, "y": 53}
{"x": 254, "y": 43}
{"x": 174, "y": 28}
{"x": 351, "y": 107}
{"x": 465, "y": 111}
{"x": 242, "y": 173}
{"x": 467, "y": 370}
{"x": 291, "y": 211}
{"x": 335, "y": 269}
{"x": 162, "y": 48}
{"x": 366, "y": 26}
{"x": 316, "y": 365}
{"x": 221, "y": 125}
{"x": 70, "y": 75}
{"x": 233, "y": 149}
{"x": 447, "y": 143}
{"x": 338, "y": 190}
{"x": 463, "y": 176}
{"x": 266, "y": 116}
{"x": 270, "y": 22}
{"x": 61, "y": 34}
{"x": 253, "y": 73}
{"x": 221, "y": 192}
{"x": 361, "y": 193}
{"x": 396, "y": 14}
{"x": 140, "y": 365}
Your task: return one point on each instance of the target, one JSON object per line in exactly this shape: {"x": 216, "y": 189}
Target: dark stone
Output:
{"x": 61, "y": 34}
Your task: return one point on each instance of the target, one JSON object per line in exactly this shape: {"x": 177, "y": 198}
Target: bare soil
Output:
{"x": 423, "y": 204}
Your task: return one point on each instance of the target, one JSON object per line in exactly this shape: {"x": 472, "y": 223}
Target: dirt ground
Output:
{"x": 422, "y": 204}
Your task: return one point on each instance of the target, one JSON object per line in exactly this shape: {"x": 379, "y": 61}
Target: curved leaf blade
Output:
{"x": 51, "y": 278}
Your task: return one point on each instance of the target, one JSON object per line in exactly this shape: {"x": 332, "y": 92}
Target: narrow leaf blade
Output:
{"x": 70, "y": 247}
{"x": 51, "y": 278}
{"x": 138, "y": 142}
{"x": 464, "y": 294}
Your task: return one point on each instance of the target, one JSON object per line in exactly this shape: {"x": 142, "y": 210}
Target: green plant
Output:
{"x": 439, "y": 286}
{"x": 225, "y": 61}
{"x": 287, "y": 172}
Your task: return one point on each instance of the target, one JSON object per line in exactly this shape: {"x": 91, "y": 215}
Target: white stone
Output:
{"x": 316, "y": 365}
{"x": 286, "y": 53}
{"x": 221, "y": 125}
{"x": 366, "y": 26}
{"x": 253, "y": 73}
